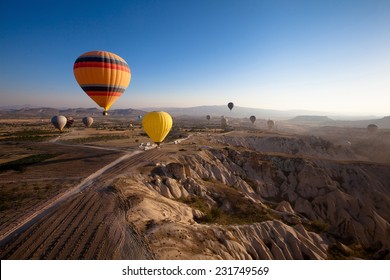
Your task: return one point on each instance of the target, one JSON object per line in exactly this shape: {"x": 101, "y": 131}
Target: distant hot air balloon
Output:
{"x": 104, "y": 76}
{"x": 230, "y": 105}
{"x": 270, "y": 124}
{"x": 157, "y": 125}
{"x": 139, "y": 117}
{"x": 88, "y": 121}
{"x": 69, "y": 122}
{"x": 253, "y": 119}
{"x": 59, "y": 122}
{"x": 224, "y": 122}
{"x": 372, "y": 128}
{"x": 208, "y": 117}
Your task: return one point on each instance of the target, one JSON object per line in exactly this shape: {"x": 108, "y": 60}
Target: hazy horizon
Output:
{"x": 289, "y": 112}
{"x": 327, "y": 56}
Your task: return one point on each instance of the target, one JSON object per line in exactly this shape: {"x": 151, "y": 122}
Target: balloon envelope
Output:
{"x": 104, "y": 76}
{"x": 69, "y": 122}
{"x": 88, "y": 121}
{"x": 253, "y": 119}
{"x": 157, "y": 125}
{"x": 372, "y": 128}
{"x": 208, "y": 117}
{"x": 230, "y": 105}
{"x": 224, "y": 121}
{"x": 270, "y": 124}
{"x": 59, "y": 122}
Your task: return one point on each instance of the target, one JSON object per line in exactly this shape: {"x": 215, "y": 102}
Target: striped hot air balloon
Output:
{"x": 104, "y": 76}
{"x": 69, "y": 122}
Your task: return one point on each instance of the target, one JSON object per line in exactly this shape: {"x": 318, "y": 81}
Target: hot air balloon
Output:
{"x": 139, "y": 117}
{"x": 224, "y": 122}
{"x": 59, "y": 122}
{"x": 208, "y": 117}
{"x": 88, "y": 121}
{"x": 230, "y": 105}
{"x": 69, "y": 122}
{"x": 253, "y": 119}
{"x": 372, "y": 128}
{"x": 270, "y": 124}
{"x": 104, "y": 76}
{"x": 157, "y": 125}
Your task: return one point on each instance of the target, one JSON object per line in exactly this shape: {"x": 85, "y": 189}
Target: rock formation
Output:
{"x": 264, "y": 201}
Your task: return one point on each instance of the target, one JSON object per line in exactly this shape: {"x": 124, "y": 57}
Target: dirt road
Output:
{"x": 87, "y": 222}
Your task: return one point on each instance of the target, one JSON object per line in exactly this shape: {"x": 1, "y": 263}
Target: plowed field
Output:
{"x": 89, "y": 224}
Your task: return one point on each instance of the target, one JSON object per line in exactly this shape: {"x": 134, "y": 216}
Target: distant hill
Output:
{"x": 16, "y": 107}
{"x": 294, "y": 116}
{"x": 29, "y": 112}
{"x": 74, "y": 112}
{"x": 236, "y": 112}
{"x": 311, "y": 119}
{"x": 383, "y": 123}
{"x": 199, "y": 111}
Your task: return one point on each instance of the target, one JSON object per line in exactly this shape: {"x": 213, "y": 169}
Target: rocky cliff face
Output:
{"x": 239, "y": 203}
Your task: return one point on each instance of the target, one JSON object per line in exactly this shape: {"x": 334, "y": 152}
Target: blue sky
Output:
{"x": 316, "y": 55}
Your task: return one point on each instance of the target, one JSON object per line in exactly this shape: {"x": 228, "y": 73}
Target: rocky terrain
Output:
{"x": 293, "y": 192}
{"x": 256, "y": 197}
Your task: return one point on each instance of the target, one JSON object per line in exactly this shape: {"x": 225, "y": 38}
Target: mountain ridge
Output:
{"x": 214, "y": 110}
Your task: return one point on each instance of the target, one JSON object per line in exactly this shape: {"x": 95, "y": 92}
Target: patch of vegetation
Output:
{"x": 241, "y": 211}
{"x": 196, "y": 202}
{"x": 30, "y": 135}
{"x": 213, "y": 216}
{"x": 13, "y": 197}
{"x": 353, "y": 251}
{"x": 23, "y": 163}
{"x": 34, "y": 138}
{"x": 97, "y": 139}
{"x": 317, "y": 226}
{"x": 31, "y": 132}
{"x": 174, "y": 135}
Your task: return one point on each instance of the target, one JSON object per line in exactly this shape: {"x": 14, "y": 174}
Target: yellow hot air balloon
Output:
{"x": 157, "y": 125}
{"x": 104, "y": 76}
